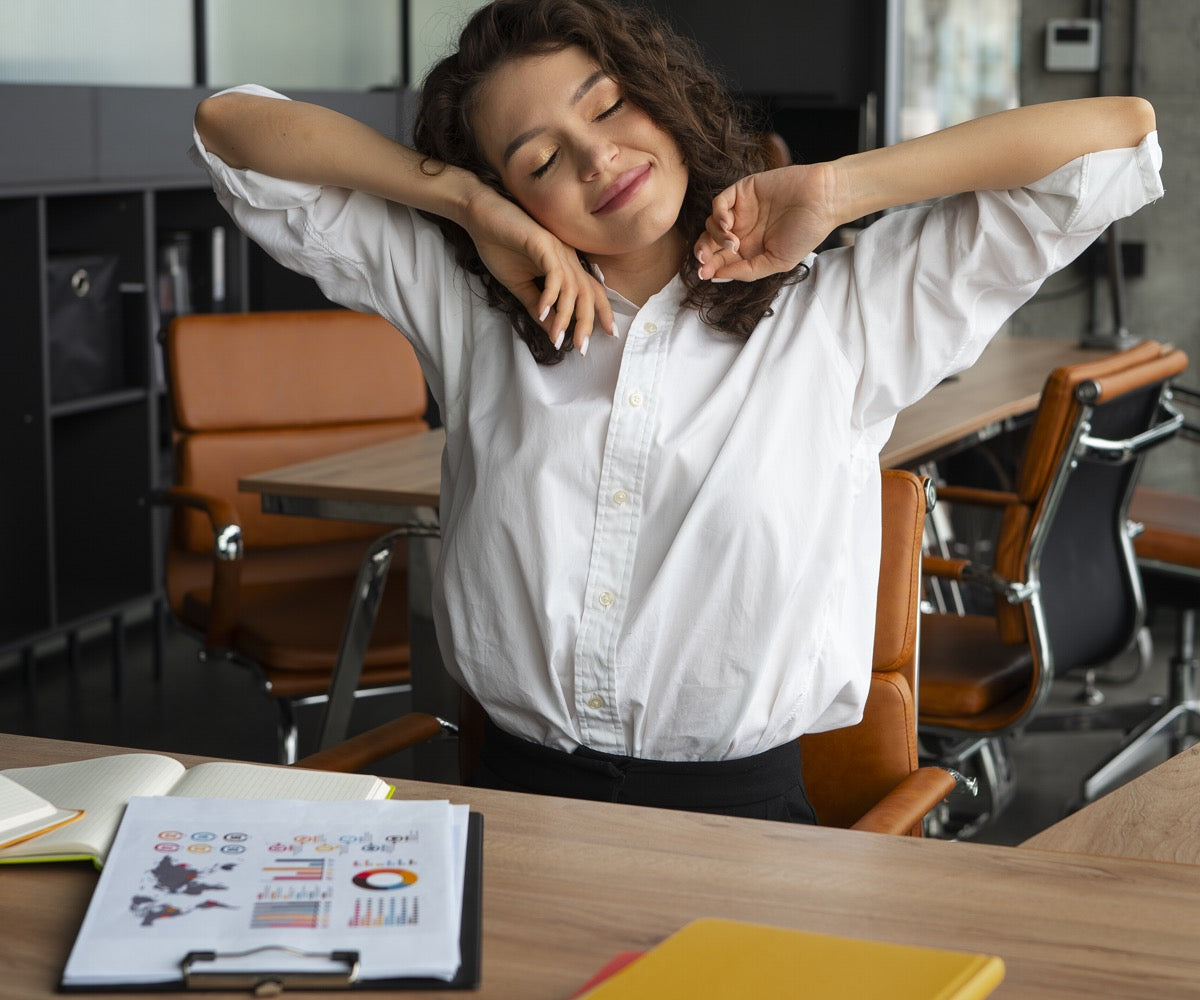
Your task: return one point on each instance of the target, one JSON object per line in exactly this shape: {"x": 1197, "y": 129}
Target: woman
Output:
{"x": 660, "y": 554}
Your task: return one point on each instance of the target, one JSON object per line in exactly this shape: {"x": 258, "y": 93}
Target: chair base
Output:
{"x": 1174, "y": 719}
{"x": 988, "y": 761}
{"x": 1096, "y": 718}
{"x": 1177, "y": 723}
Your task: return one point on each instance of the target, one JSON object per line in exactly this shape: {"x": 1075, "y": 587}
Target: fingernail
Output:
{"x": 584, "y": 346}
{"x": 558, "y": 340}
{"x": 545, "y": 313}
{"x": 720, "y": 281}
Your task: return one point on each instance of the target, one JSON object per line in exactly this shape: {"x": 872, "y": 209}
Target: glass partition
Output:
{"x": 303, "y": 44}
{"x": 960, "y": 61}
{"x": 119, "y": 42}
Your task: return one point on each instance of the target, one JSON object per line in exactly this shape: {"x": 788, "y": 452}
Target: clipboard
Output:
{"x": 195, "y": 974}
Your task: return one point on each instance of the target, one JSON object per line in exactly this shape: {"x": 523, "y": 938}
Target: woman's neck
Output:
{"x": 639, "y": 274}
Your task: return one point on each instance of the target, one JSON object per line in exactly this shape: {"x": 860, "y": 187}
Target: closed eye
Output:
{"x": 541, "y": 171}
{"x": 606, "y": 113}
{"x": 609, "y": 112}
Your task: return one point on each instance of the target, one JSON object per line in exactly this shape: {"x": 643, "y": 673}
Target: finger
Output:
{"x": 564, "y": 310}
{"x": 708, "y": 253}
{"x": 723, "y": 210}
{"x": 759, "y": 266}
{"x": 585, "y": 318}
{"x": 530, "y": 296}
{"x": 718, "y": 263}
{"x": 551, "y": 287}
{"x": 604, "y": 313}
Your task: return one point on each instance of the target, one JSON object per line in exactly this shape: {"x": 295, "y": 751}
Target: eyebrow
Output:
{"x": 578, "y": 96}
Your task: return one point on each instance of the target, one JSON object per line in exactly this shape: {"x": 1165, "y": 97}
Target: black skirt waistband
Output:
{"x": 768, "y": 784}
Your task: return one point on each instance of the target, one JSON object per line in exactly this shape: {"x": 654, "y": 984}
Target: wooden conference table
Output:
{"x": 1156, "y": 817}
{"x": 569, "y": 884}
{"x": 398, "y": 482}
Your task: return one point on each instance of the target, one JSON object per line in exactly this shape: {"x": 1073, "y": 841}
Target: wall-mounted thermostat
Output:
{"x": 1073, "y": 44}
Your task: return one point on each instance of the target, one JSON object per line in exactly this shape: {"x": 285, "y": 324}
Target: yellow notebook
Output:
{"x": 718, "y": 959}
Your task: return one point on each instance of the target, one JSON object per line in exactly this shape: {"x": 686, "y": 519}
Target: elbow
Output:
{"x": 1148, "y": 122}
{"x": 214, "y": 120}
{"x": 208, "y": 117}
{"x": 1139, "y": 114}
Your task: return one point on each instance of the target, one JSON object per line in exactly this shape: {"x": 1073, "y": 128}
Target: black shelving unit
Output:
{"x": 81, "y": 539}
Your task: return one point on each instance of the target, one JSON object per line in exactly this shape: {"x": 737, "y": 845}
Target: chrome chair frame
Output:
{"x": 1175, "y": 718}
{"x": 985, "y": 753}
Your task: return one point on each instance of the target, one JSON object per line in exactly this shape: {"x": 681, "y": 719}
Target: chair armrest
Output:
{"x": 965, "y": 571}
{"x": 227, "y": 558}
{"x": 945, "y": 569}
{"x": 905, "y": 806}
{"x": 375, "y": 744}
{"x": 976, "y": 496}
{"x": 222, "y": 517}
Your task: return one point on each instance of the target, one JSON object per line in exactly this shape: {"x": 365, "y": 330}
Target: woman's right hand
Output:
{"x": 544, "y": 273}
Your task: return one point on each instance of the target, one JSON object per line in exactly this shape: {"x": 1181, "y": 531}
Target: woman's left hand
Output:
{"x": 768, "y": 223}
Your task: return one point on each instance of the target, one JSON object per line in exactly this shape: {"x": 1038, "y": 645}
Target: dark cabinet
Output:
{"x": 107, "y": 196}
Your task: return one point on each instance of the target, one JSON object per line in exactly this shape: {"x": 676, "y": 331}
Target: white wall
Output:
{"x": 1164, "y": 303}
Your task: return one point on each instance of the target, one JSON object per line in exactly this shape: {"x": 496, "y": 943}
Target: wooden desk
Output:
{"x": 1156, "y": 817}
{"x": 568, "y": 884}
{"x": 385, "y": 483}
{"x": 1005, "y": 383}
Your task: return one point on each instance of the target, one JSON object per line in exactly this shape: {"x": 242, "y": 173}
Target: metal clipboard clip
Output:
{"x": 239, "y": 975}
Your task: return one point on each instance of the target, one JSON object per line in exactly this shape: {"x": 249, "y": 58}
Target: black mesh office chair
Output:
{"x": 1066, "y": 591}
{"x": 1168, "y": 556}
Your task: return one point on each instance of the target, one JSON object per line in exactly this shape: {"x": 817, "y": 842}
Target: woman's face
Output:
{"x": 586, "y": 164}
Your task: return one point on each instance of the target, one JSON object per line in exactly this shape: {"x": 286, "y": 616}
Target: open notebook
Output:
{"x": 25, "y": 814}
{"x": 101, "y": 787}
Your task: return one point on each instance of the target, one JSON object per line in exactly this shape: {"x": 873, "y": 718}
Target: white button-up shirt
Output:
{"x": 669, "y": 548}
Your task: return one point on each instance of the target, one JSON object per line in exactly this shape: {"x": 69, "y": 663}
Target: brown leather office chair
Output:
{"x": 254, "y": 391}
{"x": 1066, "y": 591}
{"x": 865, "y": 777}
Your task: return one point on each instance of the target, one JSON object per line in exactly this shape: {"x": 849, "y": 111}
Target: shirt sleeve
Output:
{"x": 364, "y": 252}
{"x": 924, "y": 289}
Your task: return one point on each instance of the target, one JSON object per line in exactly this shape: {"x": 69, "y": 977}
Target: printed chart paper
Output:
{"x": 382, "y": 878}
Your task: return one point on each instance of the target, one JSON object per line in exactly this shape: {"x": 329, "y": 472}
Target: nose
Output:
{"x": 594, "y": 155}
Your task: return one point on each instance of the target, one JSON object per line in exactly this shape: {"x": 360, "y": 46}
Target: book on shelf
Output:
{"x": 729, "y": 960}
{"x": 99, "y": 788}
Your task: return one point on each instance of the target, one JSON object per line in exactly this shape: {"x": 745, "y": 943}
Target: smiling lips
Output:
{"x": 623, "y": 189}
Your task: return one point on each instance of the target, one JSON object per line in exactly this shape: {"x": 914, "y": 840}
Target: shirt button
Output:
{"x": 620, "y": 497}
{"x": 635, "y": 399}
{"x": 606, "y": 599}
{"x": 595, "y": 701}
{"x": 650, "y": 327}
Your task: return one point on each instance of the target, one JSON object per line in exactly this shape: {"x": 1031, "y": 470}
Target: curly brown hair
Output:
{"x": 658, "y": 70}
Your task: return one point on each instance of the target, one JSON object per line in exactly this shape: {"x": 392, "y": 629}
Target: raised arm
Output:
{"x": 769, "y": 222}
{"x": 316, "y": 145}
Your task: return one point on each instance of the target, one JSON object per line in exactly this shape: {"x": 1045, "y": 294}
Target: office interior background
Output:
{"x": 830, "y": 77}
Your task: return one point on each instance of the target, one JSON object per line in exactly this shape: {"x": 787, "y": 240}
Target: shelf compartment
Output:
{"x": 25, "y": 586}
{"x": 103, "y": 547}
